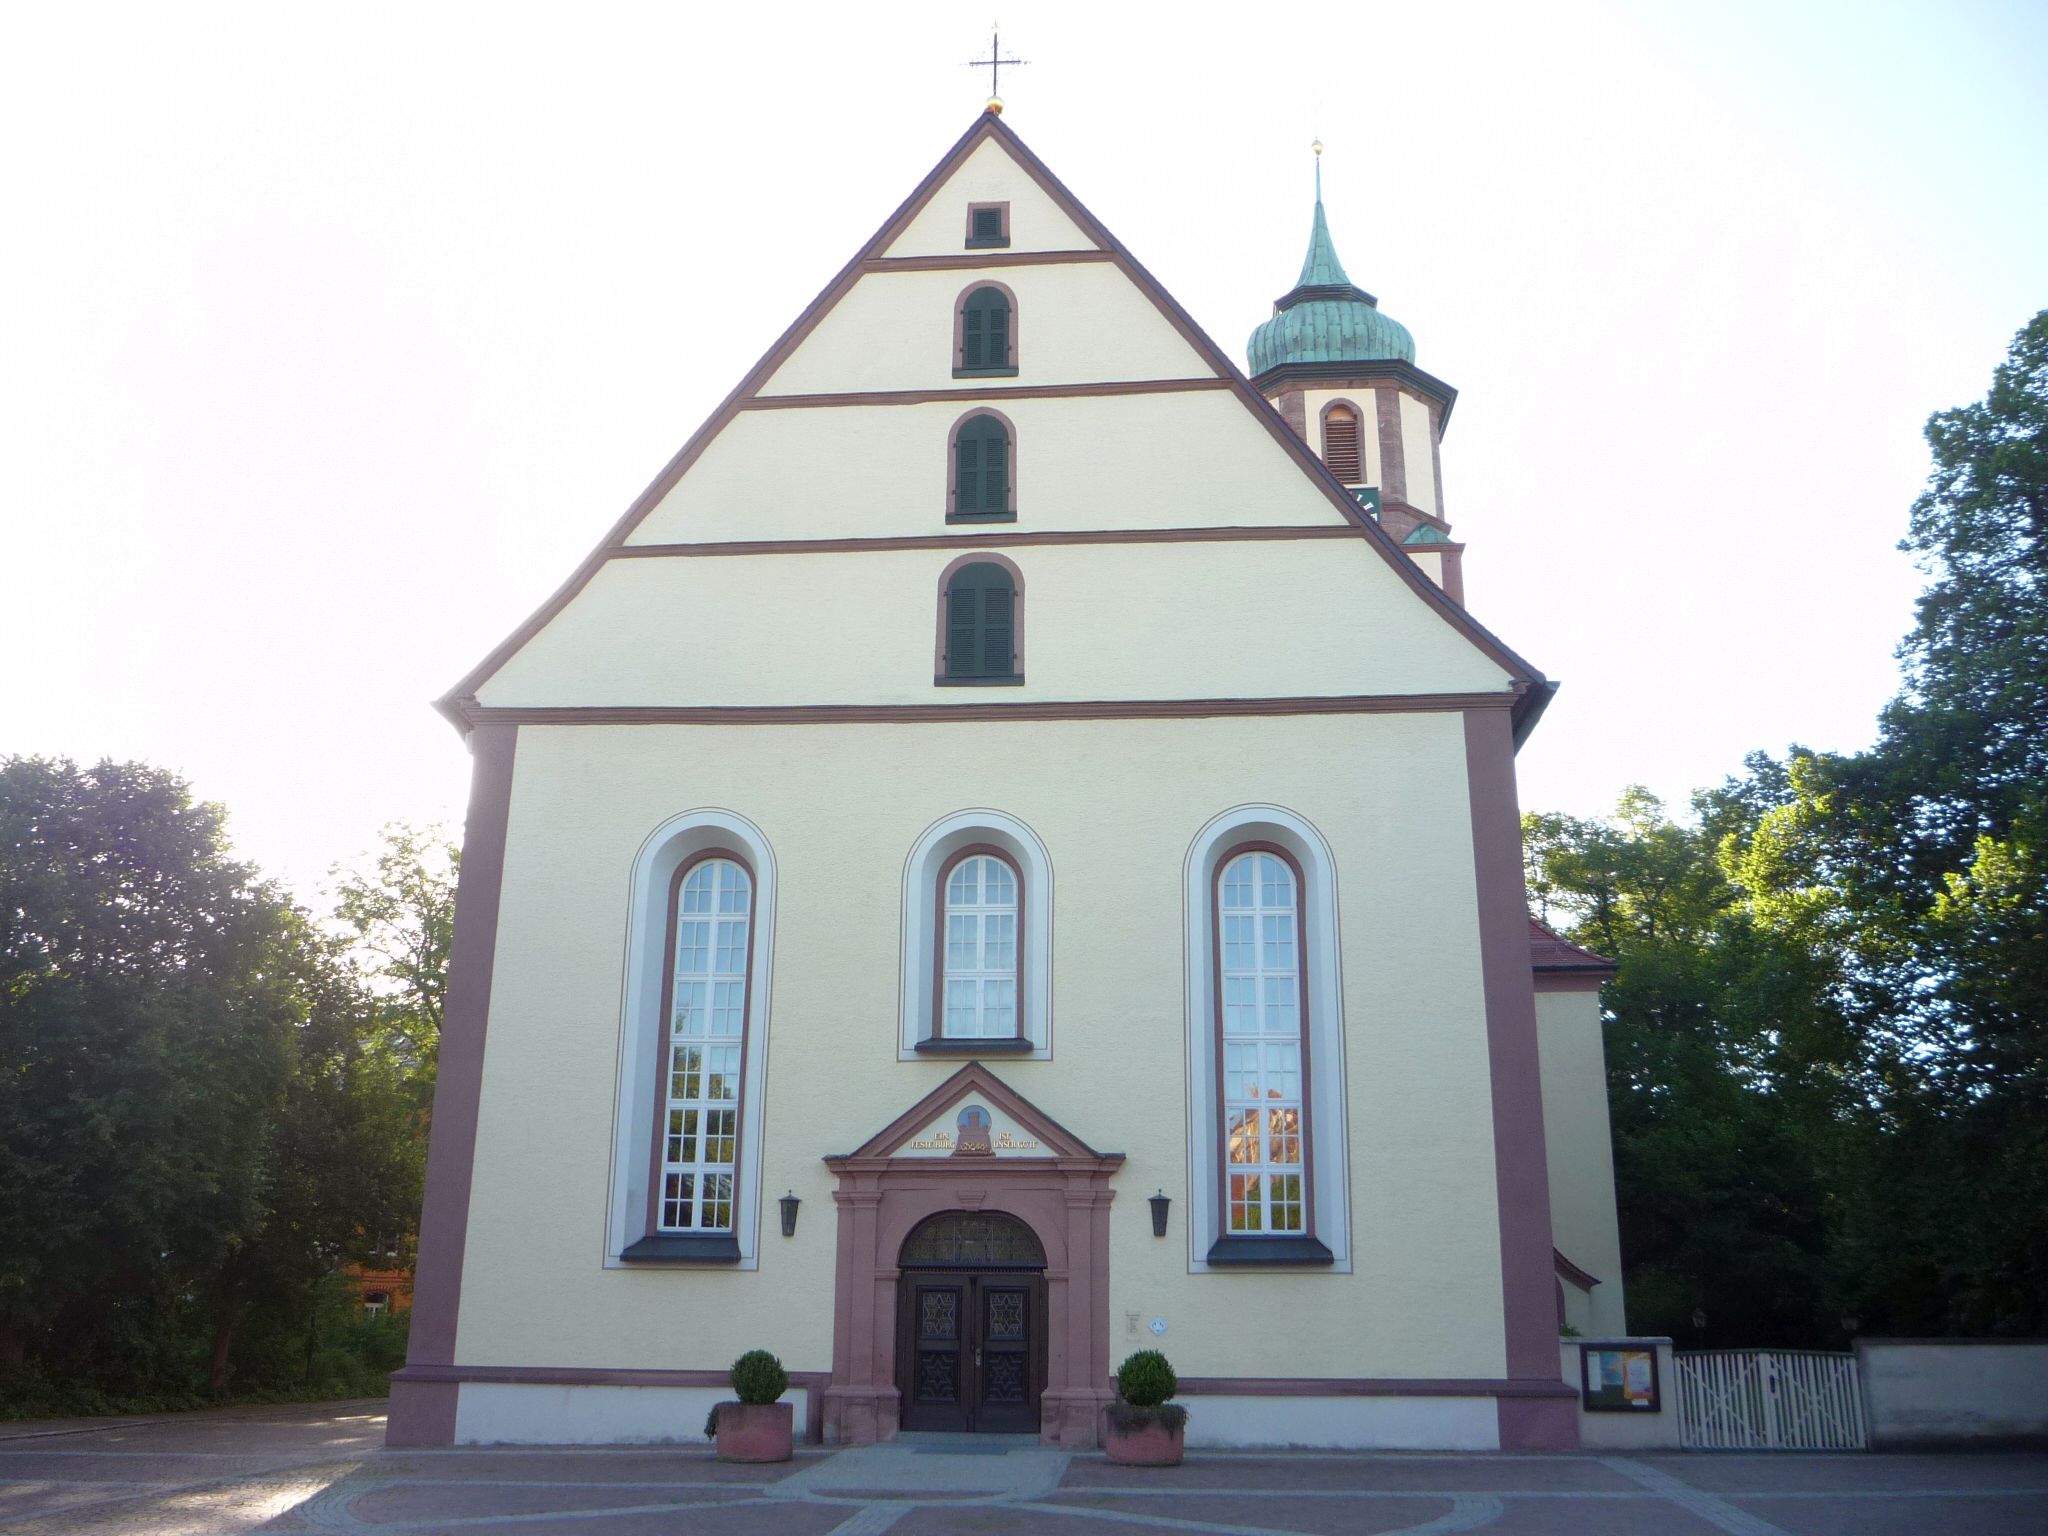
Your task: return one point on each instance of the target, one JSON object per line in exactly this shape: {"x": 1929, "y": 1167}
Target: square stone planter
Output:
{"x": 1147, "y": 1445}
{"x": 755, "y": 1431}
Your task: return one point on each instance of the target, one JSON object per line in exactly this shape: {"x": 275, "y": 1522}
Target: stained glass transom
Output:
{"x": 972, "y": 1240}
{"x": 706, "y": 1028}
{"x": 1262, "y": 1046}
{"x": 980, "y": 981}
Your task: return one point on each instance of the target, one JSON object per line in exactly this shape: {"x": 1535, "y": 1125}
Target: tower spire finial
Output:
{"x": 1318, "y": 148}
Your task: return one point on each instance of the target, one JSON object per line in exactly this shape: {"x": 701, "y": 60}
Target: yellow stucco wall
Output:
{"x": 1117, "y": 804}
{"x": 1196, "y": 459}
{"x": 1579, "y": 1150}
{"x": 989, "y": 175}
{"x": 1111, "y": 621}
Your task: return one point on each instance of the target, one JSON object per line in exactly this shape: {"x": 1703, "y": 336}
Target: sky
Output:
{"x": 335, "y": 336}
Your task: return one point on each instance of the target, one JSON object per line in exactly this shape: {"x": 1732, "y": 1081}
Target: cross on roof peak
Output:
{"x": 994, "y": 65}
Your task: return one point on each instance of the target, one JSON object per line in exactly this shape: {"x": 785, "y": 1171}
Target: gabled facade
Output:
{"x": 935, "y": 906}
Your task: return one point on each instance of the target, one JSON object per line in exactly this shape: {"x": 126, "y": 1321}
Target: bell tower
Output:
{"x": 1343, "y": 375}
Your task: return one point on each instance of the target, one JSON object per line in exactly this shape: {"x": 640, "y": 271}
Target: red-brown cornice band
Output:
{"x": 473, "y": 714}
{"x": 997, "y": 540}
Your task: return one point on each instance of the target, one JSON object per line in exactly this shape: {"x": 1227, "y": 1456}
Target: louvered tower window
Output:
{"x": 981, "y": 625}
{"x": 985, "y": 332}
{"x": 981, "y": 468}
{"x": 1340, "y": 444}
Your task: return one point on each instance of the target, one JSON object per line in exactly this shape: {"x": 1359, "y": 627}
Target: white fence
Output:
{"x": 1768, "y": 1400}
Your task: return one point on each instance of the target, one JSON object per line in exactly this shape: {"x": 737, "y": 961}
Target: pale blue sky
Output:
{"x": 335, "y": 338}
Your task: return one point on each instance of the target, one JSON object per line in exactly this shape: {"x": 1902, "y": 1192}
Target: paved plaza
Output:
{"x": 324, "y": 1469}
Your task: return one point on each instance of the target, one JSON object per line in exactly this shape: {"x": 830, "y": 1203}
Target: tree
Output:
{"x": 1722, "y": 1056}
{"x": 203, "y": 1108}
{"x": 146, "y": 1014}
{"x": 398, "y": 920}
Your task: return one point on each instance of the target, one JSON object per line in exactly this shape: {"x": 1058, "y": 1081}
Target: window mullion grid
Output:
{"x": 699, "y": 1150}
{"x": 1267, "y": 1053}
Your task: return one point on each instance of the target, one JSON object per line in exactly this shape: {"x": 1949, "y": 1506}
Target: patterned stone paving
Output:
{"x": 324, "y": 1469}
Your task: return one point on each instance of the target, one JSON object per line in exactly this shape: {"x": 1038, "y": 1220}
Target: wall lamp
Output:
{"x": 1159, "y": 1203}
{"x": 789, "y": 1203}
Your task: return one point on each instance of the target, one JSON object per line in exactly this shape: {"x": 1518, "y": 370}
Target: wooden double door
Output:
{"x": 970, "y": 1350}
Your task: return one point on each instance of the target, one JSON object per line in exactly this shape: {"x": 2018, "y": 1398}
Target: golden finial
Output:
{"x": 1318, "y": 148}
{"x": 995, "y": 106}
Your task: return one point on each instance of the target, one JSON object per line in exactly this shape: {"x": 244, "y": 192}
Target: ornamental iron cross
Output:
{"x": 995, "y": 61}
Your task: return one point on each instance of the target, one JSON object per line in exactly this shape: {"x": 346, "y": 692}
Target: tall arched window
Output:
{"x": 1263, "y": 1043}
{"x": 985, "y": 331}
{"x": 1342, "y": 443}
{"x": 982, "y": 482}
{"x": 980, "y": 908}
{"x": 703, "y": 1044}
{"x": 980, "y": 636}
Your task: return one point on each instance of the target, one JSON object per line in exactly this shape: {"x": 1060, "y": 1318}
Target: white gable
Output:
{"x": 1079, "y": 323}
{"x": 1206, "y": 462}
{"x": 989, "y": 175}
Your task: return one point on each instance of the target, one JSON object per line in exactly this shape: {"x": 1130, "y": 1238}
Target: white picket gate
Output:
{"x": 1768, "y": 1400}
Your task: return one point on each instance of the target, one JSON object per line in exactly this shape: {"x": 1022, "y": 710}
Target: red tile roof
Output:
{"x": 1548, "y": 952}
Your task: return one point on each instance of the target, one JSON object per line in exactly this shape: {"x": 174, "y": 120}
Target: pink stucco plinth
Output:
{"x": 755, "y": 1431}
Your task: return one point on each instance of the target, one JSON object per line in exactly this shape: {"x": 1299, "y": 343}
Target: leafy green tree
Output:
{"x": 1723, "y": 1060}
{"x": 204, "y": 1108}
{"x": 398, "y": 919}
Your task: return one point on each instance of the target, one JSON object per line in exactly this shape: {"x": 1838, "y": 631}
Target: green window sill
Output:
{"x": 1013, "y": 680}
{"x": 985, "y": 373}
{"x": 1249, "y": 1252}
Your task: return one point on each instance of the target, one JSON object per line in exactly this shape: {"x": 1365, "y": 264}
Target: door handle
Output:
{"x": 977, "y": 1359}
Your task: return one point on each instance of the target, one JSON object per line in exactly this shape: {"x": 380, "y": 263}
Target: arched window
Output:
{"x": 980, "y": 625}
{"x": 935, "y": 858}
{"x": 1342, "y": 443}
{"x": 985, "y": 331}
{"x": 1263, "y": 1042}
{"x": 1265, "y": 1039}
{"x": 983, "y": 482}
{"x": 704, "y": 1044}
{"x": 980, "y": 907}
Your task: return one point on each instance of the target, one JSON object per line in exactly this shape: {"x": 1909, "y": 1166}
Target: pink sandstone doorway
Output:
{"x": 1038, "y": 1176}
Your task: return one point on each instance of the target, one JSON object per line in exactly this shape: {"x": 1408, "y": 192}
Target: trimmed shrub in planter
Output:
{"x": 757, "y": 1427}
{"x": 1145, "y": 1430}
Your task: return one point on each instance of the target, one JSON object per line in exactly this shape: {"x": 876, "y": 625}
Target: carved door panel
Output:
{"x": 1005, "y": 1386}
{"x": 970, "y": 1352}
{"x": 932, "y": 1364}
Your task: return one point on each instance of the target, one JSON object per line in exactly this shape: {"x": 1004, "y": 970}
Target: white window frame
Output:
{"x": 701, "y": 1166}
{"x": 922, "y": 906}
{"x": 1258, "y": 1038}
{"x": 1320, "y": 955}
{"x": 978, "y": 914}
{"x": 640, "y": 1056}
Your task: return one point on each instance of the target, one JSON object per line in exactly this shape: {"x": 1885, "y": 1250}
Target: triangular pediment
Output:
{"x": 974, "y": 1116}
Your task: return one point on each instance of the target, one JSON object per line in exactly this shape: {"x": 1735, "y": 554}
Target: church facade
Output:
{"x": 1005, "y": 855}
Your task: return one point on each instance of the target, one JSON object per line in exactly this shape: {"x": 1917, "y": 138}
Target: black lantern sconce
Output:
{"x": 789, "y": 1203}
{"x": 1159, "y": 1203}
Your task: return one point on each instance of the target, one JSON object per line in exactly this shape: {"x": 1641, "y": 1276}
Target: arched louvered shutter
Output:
{"x": 981, "y": 622}
{"x": 1340, "y": 444}
{"x": 981, "y": 459}
{"x": 985, "y": 329}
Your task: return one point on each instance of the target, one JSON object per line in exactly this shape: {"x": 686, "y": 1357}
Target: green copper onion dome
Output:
{"x": 1327, "y": 318}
